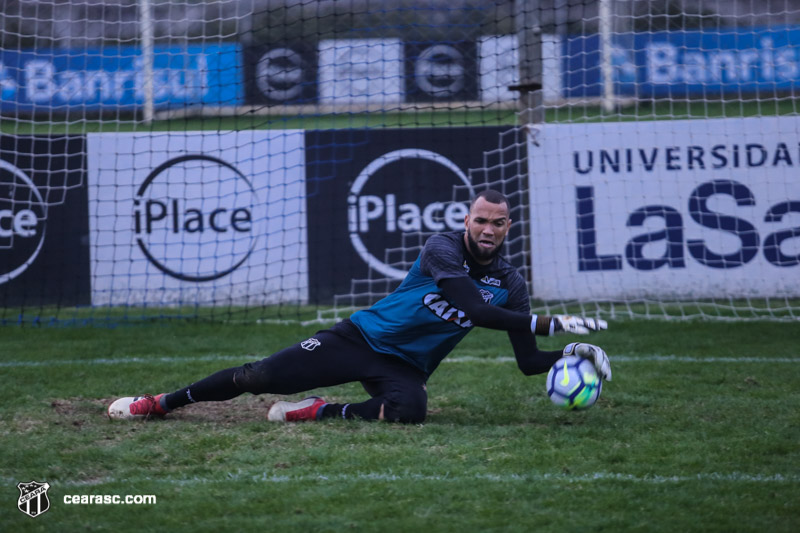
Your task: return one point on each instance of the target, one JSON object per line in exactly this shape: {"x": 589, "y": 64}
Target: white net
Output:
{"x": 670, "y": 191}
{"x": 286, "y": 159}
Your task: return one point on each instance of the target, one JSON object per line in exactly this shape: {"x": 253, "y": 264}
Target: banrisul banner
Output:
{"x": 113, "y": 78}
{"x": 686, "y": 63}
{"x": 686, "y": 209}
{"x": 44, "y": 228}
{"x": 192, "y": 217}
{"x": 375, "y": 195}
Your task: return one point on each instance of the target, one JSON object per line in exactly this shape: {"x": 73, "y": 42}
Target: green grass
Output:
{"x": 645, "y": 110}
{"x": 698, "y": 431}
{"x": 425, "y": 119}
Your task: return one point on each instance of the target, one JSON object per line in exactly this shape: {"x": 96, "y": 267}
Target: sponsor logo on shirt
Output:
{"x": 445, "y": 310}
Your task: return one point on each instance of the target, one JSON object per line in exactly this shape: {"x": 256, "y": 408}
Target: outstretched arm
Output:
{"x": 530, "y": 359}
{"x": 522, "y": 328}
{"x": 463, "y": 293}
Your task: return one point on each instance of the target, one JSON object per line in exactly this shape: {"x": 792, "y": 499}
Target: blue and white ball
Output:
{"x": 573, "y": 383}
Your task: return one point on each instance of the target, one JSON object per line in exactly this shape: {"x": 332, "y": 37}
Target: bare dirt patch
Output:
{"x": 78, "y": 411}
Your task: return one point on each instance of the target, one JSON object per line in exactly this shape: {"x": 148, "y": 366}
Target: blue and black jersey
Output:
{"x": 417, "y": 323}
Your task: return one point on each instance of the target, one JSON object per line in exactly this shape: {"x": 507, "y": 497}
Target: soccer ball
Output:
{"x": 573, "y": 383}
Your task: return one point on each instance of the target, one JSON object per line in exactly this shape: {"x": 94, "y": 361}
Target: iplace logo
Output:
{"x": 23, "y": 220}
{"x": 195, "y": 218}
{"x": 401, "y": 192}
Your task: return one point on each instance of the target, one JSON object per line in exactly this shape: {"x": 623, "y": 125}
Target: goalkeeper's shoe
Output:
{"x": 307, "y": 409}
{"x": 136, "y": 408}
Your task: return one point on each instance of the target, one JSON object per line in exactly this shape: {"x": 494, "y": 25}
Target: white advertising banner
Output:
{"x": 361, "y": 71}
{"x": 666, "y": 209}
{"x": 498, "y": 65}
{"x": 198, "y": 218}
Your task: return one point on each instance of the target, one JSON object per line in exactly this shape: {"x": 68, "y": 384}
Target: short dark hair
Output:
{"x": 492, "y": 196}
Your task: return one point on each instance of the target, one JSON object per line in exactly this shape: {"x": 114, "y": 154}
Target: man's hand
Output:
{"x": 593, "y": 353}
{"x": 577, "y": 324}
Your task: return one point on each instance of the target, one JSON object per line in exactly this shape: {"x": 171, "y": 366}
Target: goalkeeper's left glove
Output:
{"x": 593, "y": 353}
{"x": 577, "y": 324}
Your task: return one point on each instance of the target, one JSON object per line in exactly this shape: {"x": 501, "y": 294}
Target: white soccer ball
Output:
{"x": 573, "y": 383}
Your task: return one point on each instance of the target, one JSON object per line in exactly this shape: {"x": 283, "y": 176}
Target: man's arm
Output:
{"x": 530, "y": 359}
{"x": 521, "y": 327}
{"x": 463, "y": 293}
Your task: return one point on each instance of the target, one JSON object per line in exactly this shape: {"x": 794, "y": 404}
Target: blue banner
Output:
{"x": 108, "y": 79}
{"x": 709, "y": 64}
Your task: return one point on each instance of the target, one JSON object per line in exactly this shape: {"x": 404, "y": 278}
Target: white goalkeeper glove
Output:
{"x": 577, "y": 324}
{"x": 593, "y": 353}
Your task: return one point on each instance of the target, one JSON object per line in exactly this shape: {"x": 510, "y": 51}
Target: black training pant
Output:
{"x": 336, "y": 356}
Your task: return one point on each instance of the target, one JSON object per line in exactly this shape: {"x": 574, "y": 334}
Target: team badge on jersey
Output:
{"x": 494, "y": 282}
{"x": 33, "y": 499}
{"x": 310, "y": 344}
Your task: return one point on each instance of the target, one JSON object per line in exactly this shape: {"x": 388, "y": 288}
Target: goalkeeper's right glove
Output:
{"x": 593, "y": 353}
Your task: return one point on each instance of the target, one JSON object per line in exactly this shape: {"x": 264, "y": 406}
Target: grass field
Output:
{"x": 699, "y": 431}
{"x": 646, "y": 110}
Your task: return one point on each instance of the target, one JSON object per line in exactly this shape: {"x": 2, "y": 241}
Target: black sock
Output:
{"x": 369, "y": 410}
{"x": 215, "y": 388}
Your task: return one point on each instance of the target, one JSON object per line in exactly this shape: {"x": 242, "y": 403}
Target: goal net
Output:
{"x": 671, "y": 191}
{"x": 257, "y": 160}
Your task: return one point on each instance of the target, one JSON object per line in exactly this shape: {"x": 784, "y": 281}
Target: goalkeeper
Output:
{"x": 459, "y": 281}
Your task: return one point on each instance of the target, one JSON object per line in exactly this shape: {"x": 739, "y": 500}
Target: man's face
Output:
{"x": 486, "y": 225}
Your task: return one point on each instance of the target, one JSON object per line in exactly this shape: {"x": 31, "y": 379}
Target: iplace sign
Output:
{"x": 192, "y": 216}
{"x": 44, "y": 228}
{"x": 374, "y": 196}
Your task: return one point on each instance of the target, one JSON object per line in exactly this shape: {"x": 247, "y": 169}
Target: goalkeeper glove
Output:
{"x": 593, "y": 353}
{"x": 577, "y": 324}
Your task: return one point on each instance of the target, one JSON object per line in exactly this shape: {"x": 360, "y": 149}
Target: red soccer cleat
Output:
{"x": 307, "y": 409}
{"x": 136, "y": 407}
